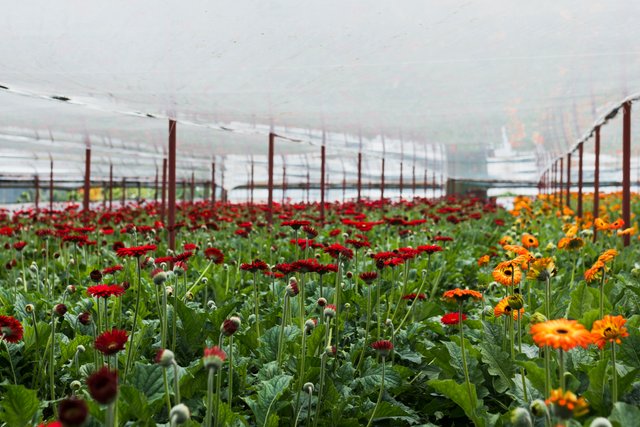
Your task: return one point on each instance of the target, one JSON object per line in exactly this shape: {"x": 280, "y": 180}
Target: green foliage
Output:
{"x": 19, "y": 405}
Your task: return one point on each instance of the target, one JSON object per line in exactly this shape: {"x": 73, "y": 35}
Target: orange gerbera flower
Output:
{"x": 529, "y": 241}
{"x": 595, "y": 272}
{"x": 503, "y": 308}
{"x": 608, "y": 255}
{"x": 571, "y": 230}
{"x": 570, "y": 243}
{"x": 609, "y": 329}
{"x": 516, "y": 249}
{"x": 460, "y": 295}
{"x": 507, "y": 273}
{"x": 617, "y": 224}
{"x": 505, "y": 240}
{"x": 560, "y": 333}
{"x": 541, "y": 269}
{"x": 627, "y": 232}
{"x": 601, "y": 225}
{"x": 567, "y": 404}
{"x": 483, "y": 260}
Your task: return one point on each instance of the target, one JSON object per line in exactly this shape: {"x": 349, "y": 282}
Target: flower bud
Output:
{"x": 330, "y": 311}
{"x": 71, "y": 289}
{"x": 180, "y": 414}
{"x": 520, "y": 417}
{"x": 96, "y": 276}
{"x": 251, "y": 319}
{"x": 33, "y": 267}
{"x": 516, "y": 301}
{"x": 600, "y": 422}
{"x": 310, "y": 325}
{"x": 538, "y": 408}
{"x": 84, "y": 318}
{"x": 29, "y": 308}
{"x": 230, "y": 325}
{"x": 170, "y": 291}
{"x": 322, "y": 302}
{"x": 80, "y": 348}
{"x": 389, "y": 323}
{"x": 165, "y": 358}
{"x": 349, "y": 274}
{"x": 76, "y": 385}
{"x": 537, "y": 317}
{"x": 308, "y": 388}
{"x": 60, "y": 310}
{"x": 212, "y": 305}
{"x": 189, "y": 296}
{"x": 159, "y": 276}
{"x": 213, "y": 358}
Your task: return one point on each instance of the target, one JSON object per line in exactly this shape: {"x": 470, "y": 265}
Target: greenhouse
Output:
{"x": 339, "y": 213}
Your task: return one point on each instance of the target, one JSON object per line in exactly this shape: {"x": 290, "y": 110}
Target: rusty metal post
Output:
{"x": 382, "y": 183}
{"x": 51, "y": 188}
{"x": 413, "y": 180}
{"x": 155, "y": 191}
{"x": 322, "y": 176}
{"x": 252, "y": 182}
{"x": 568, "y": 203}
{"x": 124, "y": 191}
{"x": 270, "y": 182}
{"x": 401, "y": 179}
{"x": 163, "y": 191}
{"x": 213, "y": 183}
{"x": 359, "y": 176}
{"x": 561, "y": 186}
{"x": 193, "y": 187}
{"x": 626, "y": 169}
{"x": 580, "y": 158}
{"x": 284, "y": 180}
{"x": 110, "y": 186}
{"x": 596, "y": 182}
{"x": 87, "y": 180}
{"x": 172, "y": 185}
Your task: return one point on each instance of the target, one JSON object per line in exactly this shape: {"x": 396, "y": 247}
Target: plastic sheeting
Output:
{"x": 476, "y": 90}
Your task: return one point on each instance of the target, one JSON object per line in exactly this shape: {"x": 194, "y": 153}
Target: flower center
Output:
{"x": 562, "y": 331}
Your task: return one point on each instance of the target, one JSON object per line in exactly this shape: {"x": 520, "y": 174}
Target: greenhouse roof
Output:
{"x": 457, "y": 86}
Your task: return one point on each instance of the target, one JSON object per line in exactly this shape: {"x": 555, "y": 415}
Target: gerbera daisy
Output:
{"x": 111, "y": 342}
{"x": 504, "y": 308}
{"x": 506, "y": 273}
{"x": 336, "y": 250}
{"x": 627, "y": 232}
{"x": 601, "y": 225}
{"x": 430, "y": 249}
{"x": 105, "y": 291}
{"x": 483, "y": 260}
{"x": 368, "y": 277}
{"x": 617, "y": 224}
{"x": 609, "y": 329}
{"x": 542, "y": 269}
{"x": 135, "y": 251}
{"x": 608, "y": 255}
{"x": 570, "y": 243}
{"x": 10, "y": 329}
{"x": 215, "y": 255}
{"x": 595, "y": 272}
{"x": 560, "y": 333}
{"x": 452, "y": 318}
{"x": 103, "y": 385}
{"x": 383, "y": 347}
{"x": 566, "y": 404}
{"x": 256, "y": 265}
{"x": 529, "y": 241}
{"x": 111, "y": 270}
{"x": 460, "y": 295}
{"x": 414, "y": 296}
{"x": 213, "y": 357}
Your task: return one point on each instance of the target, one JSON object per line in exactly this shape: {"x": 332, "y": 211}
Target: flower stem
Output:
{"x": 602, "y": 294}
{"x": 256, "y": 303}
{"x": 282, "y": 325}
{"x": 547, "y": 368}
{"x": 411, "y": 308}
{"x": 614, "y": 374}
{"x": 561, "y": 368}
{"x": 216, "y": 421}
{"x": 130, "y": 350}
{"x": 166, "y": 389}
{"x": 373, "y": 414}
{"x": 13, "y": 372}
{"x": 230, "y": 379}
{"x": 323, "y": 365}
{"x": 207, "y": 420}
{"x": 464, "y": 357}
{"x": 176, "y": 382}
{"x": 366, "y": 328}
{"x": 547, "y": 298}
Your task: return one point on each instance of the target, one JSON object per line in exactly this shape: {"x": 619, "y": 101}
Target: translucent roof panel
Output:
{"x": 491, "y": 84}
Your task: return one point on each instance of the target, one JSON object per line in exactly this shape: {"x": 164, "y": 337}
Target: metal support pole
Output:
{"x": 193, "y": 186}
{"x": 37, "y": 193}
{"x": 359, "y": 176}
{"x": 322, "y": 173}
{"x": 155, "y": 191}
{"x": 596, "y": 182}
{"x": 401, "y": 179}
{"x": 124, "y": 191}
{"x": 87, "y": 180}
{"x": 382, "y": 183}
{"x": 51, "y": 189}
{"x": 284, "y": 180}
{"x": 110, "y": 186}
{"x": 252, "y": 183}
{"x": 413, "y": 180}
{"x": 213, "y": 183}
{"x": 172, "y": 184}
{"x": 561, "y": 181}
{"x": 270, "y": 182}
{"x": 626, "y": 169}
{"x": 580, "y": 158}
{"x": 568, "y": 203}
{"x": 163, "y": 191}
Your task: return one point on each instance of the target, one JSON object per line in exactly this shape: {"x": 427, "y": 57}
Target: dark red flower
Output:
{"x": 96, "y": 276}
{"x": 336, "y": 250}
{"x": 111, "y": 342}
{"x": 310, "y": 231}
{"x": 430, "y": 249}
{"x": 182, "y": 257}
{"x": 326, "y": 268}
{"x": 103, "y": 385}
{"x": 452, "y": 318}
{"x": 295, "y": 224}
{"x": 383, "y": 347}
{"x": 443, "y": 239}
{"x": 84, "y": 318}
{"x": 111, "y": 270}
{"x": 18, "y": 246}
{"x": 256, "y": 265}
{"x": 215, "y": 255}
{"x": 191, "y": 247}
{"x": 368, "y": 276}
{"x": 306, "y": 265}
{"x": 413, "y": 296}
{"x": 230, "y": 325}
{"x": 105, "y": 291}
{"x": 11, "y": 329}
{"x": 73, "y": 412}
{"x": 135, "y": 251}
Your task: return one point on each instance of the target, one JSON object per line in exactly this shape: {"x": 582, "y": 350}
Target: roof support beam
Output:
{"x": 172, "y": 184}
{"x": 626, "y": 169}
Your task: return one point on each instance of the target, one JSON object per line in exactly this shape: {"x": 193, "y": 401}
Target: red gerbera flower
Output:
{"x": 111, "y": 342}
{"x": 295, "y": 224}
{"x": 105, "y": 291}
{"x": 256, "y": 265}
{"x": 368, "y": 276}
{"x": 182, "y": 257}
{"x": 18, "y": 246}
{"x": 430, "y": 249}
{"x": 135, "y": 251}
{"x": 383, "y": 347}
{"x": 336, "y": 250}
{"x": 443, "y": 239}
{"x": 103, "y": 385}
{"x": 306, "y": 265}
{"x": 10, "y": 329}
{"x": 326, "y": 268}
{"x": 414, "y": 296}
{"x": 452, "y": 318}
{"x": 215, "y": 255}
{"x": 111, "y": 270}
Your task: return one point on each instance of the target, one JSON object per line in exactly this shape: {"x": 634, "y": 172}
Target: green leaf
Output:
{"x": 459, "y": 394}
{"x": 133, "y": 405}
{"x": 597, "y": 383}
{"x": 263, "y": 404}
{"x": 581, "y": 302}
{"x": 388, "y": 411}
{"x": 534, "y": 373}
{"x": 269, "y": 340}
{"x": 499, "y": 365}
{"x": 19, "y": 405}
{"x": 624, "y": 415}
{"x": 149, "y": 380}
